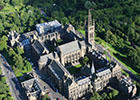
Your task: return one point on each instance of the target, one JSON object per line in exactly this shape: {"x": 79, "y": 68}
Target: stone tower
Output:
{"x": 89, "y": 29}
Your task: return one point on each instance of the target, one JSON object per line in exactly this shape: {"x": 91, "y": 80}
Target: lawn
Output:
{"x": 113, "y": 51}
{"x": 74, "y": 69}
{"x": 82, "y": 31}
{"x": 78, "y": 66}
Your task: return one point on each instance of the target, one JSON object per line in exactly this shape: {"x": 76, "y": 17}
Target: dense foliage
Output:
{"x": 14, "y": 56}
{"x": 117, "y": 21}
{"x": 105, "y": 96}
{"x": 4, "y": 89}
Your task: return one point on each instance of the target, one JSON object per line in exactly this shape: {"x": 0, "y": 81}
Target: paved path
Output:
{"x": 12, "y": 81}
{"x": 102, "y": 49}
{"x": 132, "y": 76}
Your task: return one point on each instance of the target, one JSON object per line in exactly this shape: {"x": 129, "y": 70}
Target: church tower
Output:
{"x": 89, "y": 29}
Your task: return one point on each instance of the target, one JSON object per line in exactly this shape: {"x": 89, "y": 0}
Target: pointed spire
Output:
{"x": 85, "y": 21}
{"x": 93, "y": 22}
{"x": 89, "y": 18}
{"x": 92, "y": 68}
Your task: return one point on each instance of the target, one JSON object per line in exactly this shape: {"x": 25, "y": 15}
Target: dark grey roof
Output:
{"x": 47, "y": 57}
{"x": 103, "y": 71}
{"x": 83, "y": 80}
{"x": 30, "y": 35}
{"x": 38, "y": 47}
{"x": 68, "y": 82}
{"x": 86, "y": 70}
{"x": 57, "y": 70}
{"x": 69, "y": 47}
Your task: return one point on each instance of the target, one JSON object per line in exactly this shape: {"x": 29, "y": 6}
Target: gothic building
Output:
{"x": 90, "y": 30}
{"x": 53, "y": 57}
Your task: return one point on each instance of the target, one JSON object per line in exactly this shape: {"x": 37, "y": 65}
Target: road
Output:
{"x": 132, "y": 76}
{"x": 12, "y": 80}
{"x": 102, "y": 49}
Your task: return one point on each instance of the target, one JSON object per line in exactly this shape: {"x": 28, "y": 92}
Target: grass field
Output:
{"x": 113, "y": 51}
{"x": 82, "y": 31}
{"x": 75, "y": 69}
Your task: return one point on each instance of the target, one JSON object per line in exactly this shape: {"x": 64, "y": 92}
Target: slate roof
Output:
{"x": 82, "y": 80}
{"x": 56, "y": 70}
{"x": 69, "y": 47}
{"x": 38, "y": 47}
{"x": 44, "y": 58}
{"x": 103, "y": 71}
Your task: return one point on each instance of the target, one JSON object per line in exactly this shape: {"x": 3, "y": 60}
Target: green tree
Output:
{"x": 114, "y": 93}
{"x": 3, "y": 43}
{"x": 20, "y": 51}
{"x": 15, "y": 2}
{"x": 28, "y": 66}
{"x": 46, "y": 97}
{"x": 85, "y": 60}
{"x": 96, "y": 96}
{"x": 11, "y": 52}
{"x": 104, "y": 96}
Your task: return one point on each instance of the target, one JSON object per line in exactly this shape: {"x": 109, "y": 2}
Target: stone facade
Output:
{"x": 94, "y": 77}
{"x": 127, "y": 86}
{"x": 34, "y": 88}
{"x": 90, "y": 28}
{"x": 71, "y": 52}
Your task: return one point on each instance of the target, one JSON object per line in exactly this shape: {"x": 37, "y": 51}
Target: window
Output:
{"x": 91, "y": 35}
{"x": 91, "y": 28}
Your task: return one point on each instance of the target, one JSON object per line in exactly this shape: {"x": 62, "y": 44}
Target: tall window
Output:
{"x": 91, "y": 35}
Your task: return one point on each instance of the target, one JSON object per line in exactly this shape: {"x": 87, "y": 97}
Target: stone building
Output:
{"x": 127, "y": 86}
{"x": 71, "y": 52}
{"x": 90, "y": 30}
{"x": 34, "y": 88}
{"x": 93, "y": 77}
{"x": 48, "y": 27}
{"x": 72, "y": 88}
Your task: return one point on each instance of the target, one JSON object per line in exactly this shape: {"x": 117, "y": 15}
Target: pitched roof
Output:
{"x": 56, "y": 70}
{"x": 69, "y": 47}
{"x": 38, "y": 47}
{"x": 103, "y": 71}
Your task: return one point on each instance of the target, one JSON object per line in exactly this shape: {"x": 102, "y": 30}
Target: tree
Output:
{"x": 28, "y": 66}
{"x": 11, "y": 52}
{"x": 18, "y": 60}
{"x": 89, "y": 5}
{"x": 96, "y": 96}
{"x": 15, "y": 2}
{"x": 85, "y": 60}
{"x": 104, "y": 96}
{"x": 46, "y": 97}
{"x": 3, "y": 43}
{"x": 114, "y": 93}
{"x": 110, "y": 38}
{"x": 20, "y": 51}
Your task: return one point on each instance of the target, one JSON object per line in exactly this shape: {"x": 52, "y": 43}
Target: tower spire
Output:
{"x": 92, "y": 68}
{"x": 89, "y": 18}
{"x": 89, "y": 28}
